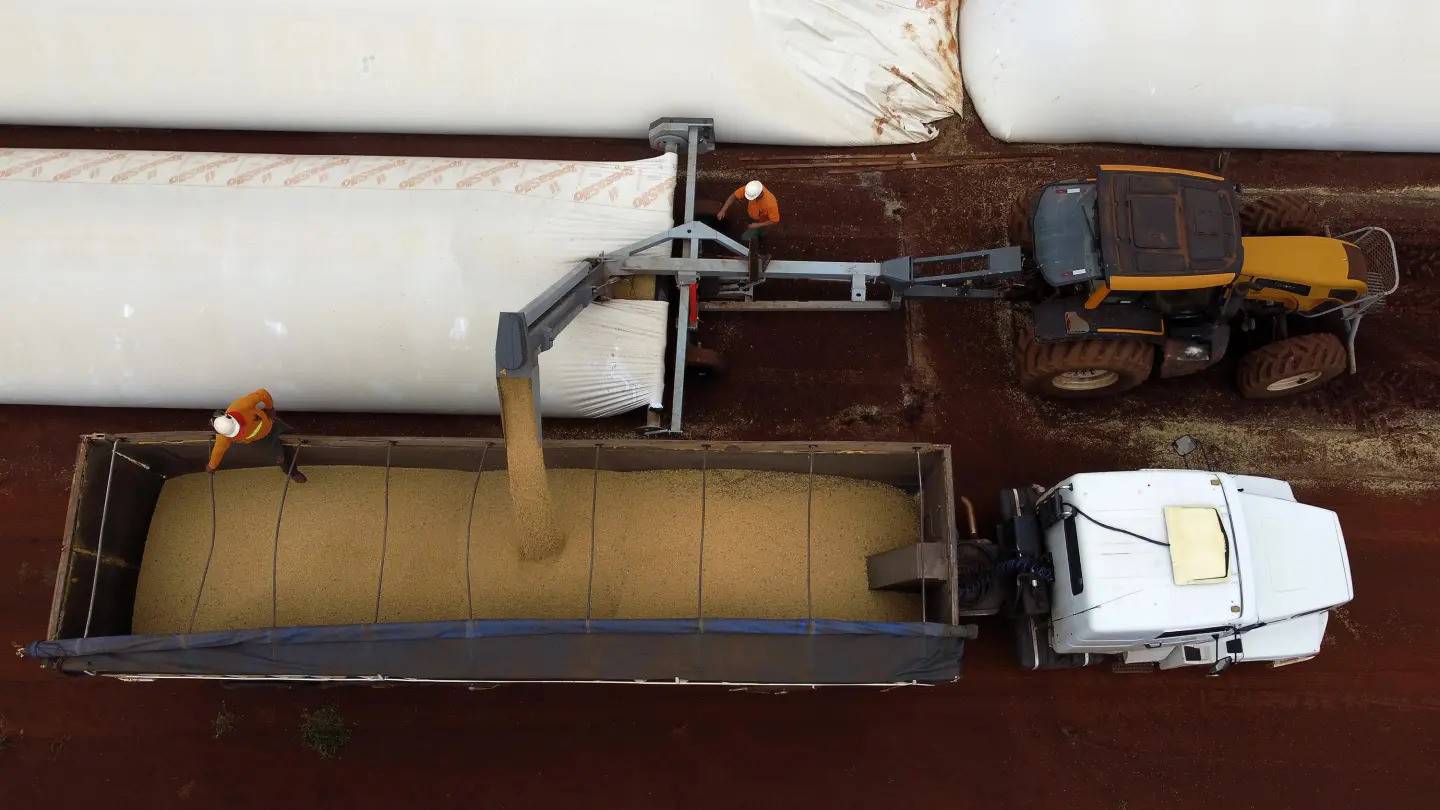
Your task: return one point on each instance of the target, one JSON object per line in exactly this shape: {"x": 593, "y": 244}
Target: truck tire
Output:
{"x": 1084, "y": 369}
{"x": 1291, "y": 366}
{"x": 1279, "y": 215}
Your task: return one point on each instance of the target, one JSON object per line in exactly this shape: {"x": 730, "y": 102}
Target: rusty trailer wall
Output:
{"x": 112, "y": 496}
{"x": 117, "y": 485}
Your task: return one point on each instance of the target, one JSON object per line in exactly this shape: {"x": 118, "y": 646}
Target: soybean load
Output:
{"x": 647, "y": 556}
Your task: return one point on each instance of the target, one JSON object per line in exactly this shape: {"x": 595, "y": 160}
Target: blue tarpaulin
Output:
{"x": 715, "y": 650}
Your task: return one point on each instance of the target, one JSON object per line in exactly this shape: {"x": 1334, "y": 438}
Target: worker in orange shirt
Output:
{"x": 251, "y": 420}
{"x": 762, "y": 212}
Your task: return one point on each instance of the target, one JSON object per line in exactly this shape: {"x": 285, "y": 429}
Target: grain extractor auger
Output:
{"x": 1136, "y": 273}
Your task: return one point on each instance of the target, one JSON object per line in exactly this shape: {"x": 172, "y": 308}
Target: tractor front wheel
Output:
{"x": 1084, "y": 369}
{"x": 1291, "y": 366}
{"x": 1280, "y": 215}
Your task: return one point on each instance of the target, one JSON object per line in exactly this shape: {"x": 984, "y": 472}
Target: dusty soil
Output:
{"x": 1358, "y": 725}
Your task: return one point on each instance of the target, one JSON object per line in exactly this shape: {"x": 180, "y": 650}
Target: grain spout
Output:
{"x": 538, "y": 532}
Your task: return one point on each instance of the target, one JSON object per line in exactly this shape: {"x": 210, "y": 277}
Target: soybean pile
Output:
{"x": 340, "y": 559}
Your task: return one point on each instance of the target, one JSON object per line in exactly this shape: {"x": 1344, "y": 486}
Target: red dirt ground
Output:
{"x": 1357, "y": 726}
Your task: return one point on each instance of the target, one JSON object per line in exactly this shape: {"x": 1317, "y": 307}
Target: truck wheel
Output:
{"x": 1084, "y": 369}
{"x": 1291, "y": 366}
{"x": 1279, "y": 215}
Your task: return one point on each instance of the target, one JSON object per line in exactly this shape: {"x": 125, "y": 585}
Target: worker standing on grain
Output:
{"x": 251, "y": 420}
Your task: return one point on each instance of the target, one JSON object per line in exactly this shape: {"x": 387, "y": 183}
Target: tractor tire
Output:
{"x": 1291, "y": 366}
{"x": 1279, "y": 215}
{"x": 1084, "y": 369}
{"x": 1019, "y": 229}
{"x": 1019, "y": 232}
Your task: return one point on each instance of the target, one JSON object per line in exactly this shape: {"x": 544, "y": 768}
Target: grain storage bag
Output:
{"x": 175, "y": 279}
{"x": 835, "y": 72}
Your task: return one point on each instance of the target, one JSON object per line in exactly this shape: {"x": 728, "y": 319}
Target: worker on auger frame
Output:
{"x": 762, "y": 213}
{"x": 251, "y": 420}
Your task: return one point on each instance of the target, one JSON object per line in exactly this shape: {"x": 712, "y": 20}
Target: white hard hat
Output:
{"x": 753, "y": 189}
{"x": 226, "y": 425}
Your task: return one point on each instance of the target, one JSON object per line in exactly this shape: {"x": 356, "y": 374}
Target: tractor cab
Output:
{"x": 1143, "y": 271}
{"x": 1166, "y": 241}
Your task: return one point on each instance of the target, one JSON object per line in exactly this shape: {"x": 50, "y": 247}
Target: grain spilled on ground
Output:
{"x": 540, "y": 536}
{"x": 1402, "y": 457}
{"x": 647, "y": 557}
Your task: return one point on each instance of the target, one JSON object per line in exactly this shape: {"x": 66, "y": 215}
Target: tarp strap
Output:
{"x": 919, "y": 566}
{"x": 469, "y": 525}
{"x": 210, "y": 555}
{"x": 384, "y": 533}
{"x": 100, "y": 540}
{"x": 809, "y": 503}
{"x": 700, "y": 565}
{"x": 594, "y": 507}
{"x": 919, "y": 547}
{"x": 275, "y": 549}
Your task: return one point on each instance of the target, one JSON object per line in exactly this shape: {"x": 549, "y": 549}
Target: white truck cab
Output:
{"x": 1183, "y": 568}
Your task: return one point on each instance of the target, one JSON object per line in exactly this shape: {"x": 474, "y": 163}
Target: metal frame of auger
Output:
{"x": 524, "y": 334}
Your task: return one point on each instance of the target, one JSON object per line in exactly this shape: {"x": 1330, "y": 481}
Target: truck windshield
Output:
{"x": 1067, "y": 237}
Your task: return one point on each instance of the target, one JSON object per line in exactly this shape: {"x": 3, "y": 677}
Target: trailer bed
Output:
{"x": 295, "y": 584}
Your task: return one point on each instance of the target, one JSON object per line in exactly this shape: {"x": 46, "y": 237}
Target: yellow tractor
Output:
{"x": 1143, "y": 271}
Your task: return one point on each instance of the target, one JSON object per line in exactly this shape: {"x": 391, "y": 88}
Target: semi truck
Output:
{"x": 1146, "y": 569}
{"x": 1171, "y": 568}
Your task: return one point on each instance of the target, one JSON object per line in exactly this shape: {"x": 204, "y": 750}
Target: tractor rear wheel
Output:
{"x": 1019, "y": 230}
{"x": 1084, "y": 369}
{"x": 1291, "y": 366}
{"x": 1279, "y": 215}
